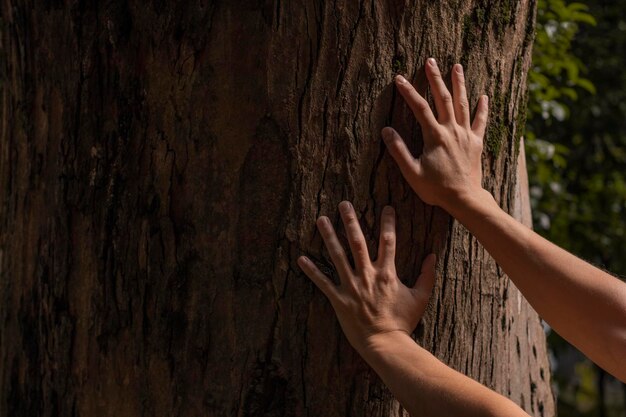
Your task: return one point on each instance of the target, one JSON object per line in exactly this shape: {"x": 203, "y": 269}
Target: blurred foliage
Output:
{"x": 557, "y": 71}
{"x": 576, "y": 147}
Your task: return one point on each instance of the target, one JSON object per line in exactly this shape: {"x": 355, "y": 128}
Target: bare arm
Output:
{"x": 427, "y": 387}
{"x": 582, "y": 303}
{"x": 377, "y": 312}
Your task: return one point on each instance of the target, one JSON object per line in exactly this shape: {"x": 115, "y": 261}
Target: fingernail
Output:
{"x": 431, "y": 62}
{"x": 345, "y": 206}
{"x": 400, "y": 79}
{"x": 388, "y": 209}
{"x": 459, "y": 68}
{"x": 304, "y": 259}
{"x": 486, "y": 100}
{"x": 387, "y": 134}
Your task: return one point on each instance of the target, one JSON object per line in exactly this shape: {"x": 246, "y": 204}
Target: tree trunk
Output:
{"x": 162, "y": 165}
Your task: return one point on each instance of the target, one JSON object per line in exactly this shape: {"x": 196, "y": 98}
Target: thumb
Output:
{"x": 397, "y": 148}
{"x": 424, "y": 283}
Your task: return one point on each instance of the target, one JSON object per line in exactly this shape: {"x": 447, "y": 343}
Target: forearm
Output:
{"x": 425, "y": 386}
{"x": 581, "y": 302}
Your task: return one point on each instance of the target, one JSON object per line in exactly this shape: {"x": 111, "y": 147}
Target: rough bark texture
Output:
{"x": 161, "y": 168}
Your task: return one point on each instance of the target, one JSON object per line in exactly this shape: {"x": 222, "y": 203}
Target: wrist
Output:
{"x": 379, "y": 343}
{"x": 469, "y": 205}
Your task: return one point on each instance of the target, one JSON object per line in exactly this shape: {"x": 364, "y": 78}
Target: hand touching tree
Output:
{"x": 377, "y": 312}
{"x": 582, "y": 303}
{"x": 449, "y": 169}
{"x": 370, "y": 299}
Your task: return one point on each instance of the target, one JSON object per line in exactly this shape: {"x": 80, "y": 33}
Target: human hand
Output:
{"x": 370, "y": 299}
{"x": 449, "y": 171}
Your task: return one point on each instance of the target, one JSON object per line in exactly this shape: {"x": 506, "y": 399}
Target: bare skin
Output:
{"x": 582, "y": 303}
{"x": 377, "y": 312}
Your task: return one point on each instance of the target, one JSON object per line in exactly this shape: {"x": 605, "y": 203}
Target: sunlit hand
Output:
{"x": 370, "y": 299}
{"x": 449, "y": 169}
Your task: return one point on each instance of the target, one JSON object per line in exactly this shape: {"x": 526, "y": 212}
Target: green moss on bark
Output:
{"x": 499, "y": 129}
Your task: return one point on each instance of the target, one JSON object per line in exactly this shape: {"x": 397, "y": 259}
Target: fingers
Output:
{"x": 323, "y": 283}
{"x": 424, "y": 284}
{"x": 418, "y": 105}
{"x": 356, "y": 240}
{"x": 448, "y": 107}
{"x": 387, "y": 244}
{"x": 461, "y": 105}
{"x": 409, "y": 166}
{"x": 335, "y": 250}
{"x": 443, "y": 98}
{"x": 480, "y": 119}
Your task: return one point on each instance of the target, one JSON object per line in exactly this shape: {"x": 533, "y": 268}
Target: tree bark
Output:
{"x": 161, "y": 168}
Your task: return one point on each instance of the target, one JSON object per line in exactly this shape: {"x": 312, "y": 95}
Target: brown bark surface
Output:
{"x": 161, "y": 168}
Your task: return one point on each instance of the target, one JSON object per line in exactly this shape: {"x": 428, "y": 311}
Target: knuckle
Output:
{"x": 336, "y": 252}
{"x": 351, "y": 305}
{"x": 387, "y": 276}
{"x": 464, "y": 103}
{"x": 446, "y": 97}
{"x": 368, "y": 271}
{"x": 461, "y": 133}
{"x": 478, "y": 144}
{"x": 422, "y": 106}
{"x": 356, "y": 242}
{"x": 437, "y": 134}
{"x": 388, "y": 238}
{"x": 360, "y": 252}
{"x": 353, "y": 224}
{"x": 349, "y": 217}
